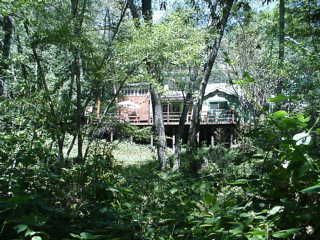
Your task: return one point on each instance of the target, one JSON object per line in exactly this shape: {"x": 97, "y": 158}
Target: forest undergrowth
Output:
{"x": 240, "y": 193}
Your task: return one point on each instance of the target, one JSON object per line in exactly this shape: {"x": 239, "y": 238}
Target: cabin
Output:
{"x": 218, "y": 115}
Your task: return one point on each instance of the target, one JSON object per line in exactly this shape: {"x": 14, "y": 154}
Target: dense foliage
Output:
{"x": 61, "y": 178}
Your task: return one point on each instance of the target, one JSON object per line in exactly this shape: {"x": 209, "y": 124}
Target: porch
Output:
{"x": 222, "y": 117}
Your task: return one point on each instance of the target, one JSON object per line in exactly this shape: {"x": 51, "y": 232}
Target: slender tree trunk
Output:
{"x": 7, "y": 27}
{"x": 180, "y": 131}
{"x": 159, "y": 128}
{"x": 78, "y": 16}
{"x": 155, "y": 96}
{"x": 42, "y": 85}
{"x": 79, "y": 110}
{"x": 23, "y": 66}
{"x": 281, "y": 30}
{"x": 280, "y": 84}
{"x": 220, "y": 26}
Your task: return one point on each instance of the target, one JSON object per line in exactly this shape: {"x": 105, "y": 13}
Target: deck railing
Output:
{"x": 173, "y": 118}
{"x": 226, "y": 116}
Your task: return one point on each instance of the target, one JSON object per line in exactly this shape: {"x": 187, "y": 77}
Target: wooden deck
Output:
{"x": 218, "y": 118}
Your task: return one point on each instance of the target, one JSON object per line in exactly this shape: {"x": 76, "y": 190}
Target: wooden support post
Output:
{"x": 198, "y": 137}
{"x": 131, "y": 139}
{"x": 111, "y": 137}
{"x": 151, "y": 140}
{"x": 231, "y": 139}
{"x": 212, "y": 140}
{"x": 98, "y": 106}
{"x": 173, "y": 142}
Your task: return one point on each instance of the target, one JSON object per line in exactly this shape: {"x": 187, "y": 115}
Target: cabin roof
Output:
{"x": 212, "y": 88}
{"x": 216, "y": 98}
{"x": 220, "y": 87}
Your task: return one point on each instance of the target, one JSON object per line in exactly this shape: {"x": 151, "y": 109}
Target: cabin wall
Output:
{"x": 142, "y": 112}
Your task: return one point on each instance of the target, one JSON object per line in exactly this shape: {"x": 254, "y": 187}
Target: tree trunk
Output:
{"x": 78, "y": 16}
{"x": 79, "y": 110}
{"x": 7, "y": 27}
{"x": 180, "y": 131}
{"x": 280, "y": 84}
{"x": 155, "y": 96}
{"x": 23, "y": 66}
{"x": 134, "y": 13}
{"x": 147, "y": 10}
{"x": 281, "y": 30}
{"x": 196, "y": 109}
{"x": 158, "y": 124}
{"x": 42, "y": 85}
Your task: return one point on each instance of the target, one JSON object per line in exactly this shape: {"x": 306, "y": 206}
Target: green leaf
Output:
{"x": 245, "y": 215}
{"x": 303, "y": 119}
{"x": 173, "y": 190}
{"x": 20, "y": 228}
{"x": 285, "y": 233}
{"x": 279, "y": 98}
{"x": 279, "y": 114}
{"x": 36, "y": 238}
{"x": 112, "y": 189}
{"x": 85, "y": 236}
{"x": 88, "y": 236}
{"x": 75, "y": 236}
{"x": 275, "y": 210}
{"x": 209, "y": 199}
{"x": 260, "y": 233}
{"x": 240, "y": 182}
{"x": 247, "y": 78}
{"x": 312, "y": 189}
{"x": 30, "y": 233}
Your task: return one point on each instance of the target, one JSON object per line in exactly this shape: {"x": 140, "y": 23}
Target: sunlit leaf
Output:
{"x": 302, "y": 138}
{"x": 89, "y": 236}
{"x": 285, "y": 233}
{"x": 240, "y": 182}
{"x": 20, "y": 228}
{"x": 279, "y": 114}
{"x": 173, "y": 190}
{"x": 36, "y": 238}
{"x": 275, "y": 210}
{"x": 247, "y": 79}
{"x": 312, "y": 189}
{"x": 303, "y": 119}
{"x": 259, "y": 233}
{"x": 279, "y": 98}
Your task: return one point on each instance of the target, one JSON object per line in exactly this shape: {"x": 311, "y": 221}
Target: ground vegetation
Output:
{"x": 61, "y": 177}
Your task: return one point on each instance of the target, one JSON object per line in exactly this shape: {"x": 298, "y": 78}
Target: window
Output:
{"x": 218, "y": 105}
{"x": 165, "y": 108}
{"x": 135, "y": 92}
{"x": 175, "y": 107}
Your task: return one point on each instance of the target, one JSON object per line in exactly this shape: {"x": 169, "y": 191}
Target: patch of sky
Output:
{"x": 160, "y": 12}
{"x": 162, "y": 8}
{"x": 259, "y": 6}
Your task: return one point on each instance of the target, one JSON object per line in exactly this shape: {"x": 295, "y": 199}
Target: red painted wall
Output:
{"x": 142, "y": 112}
